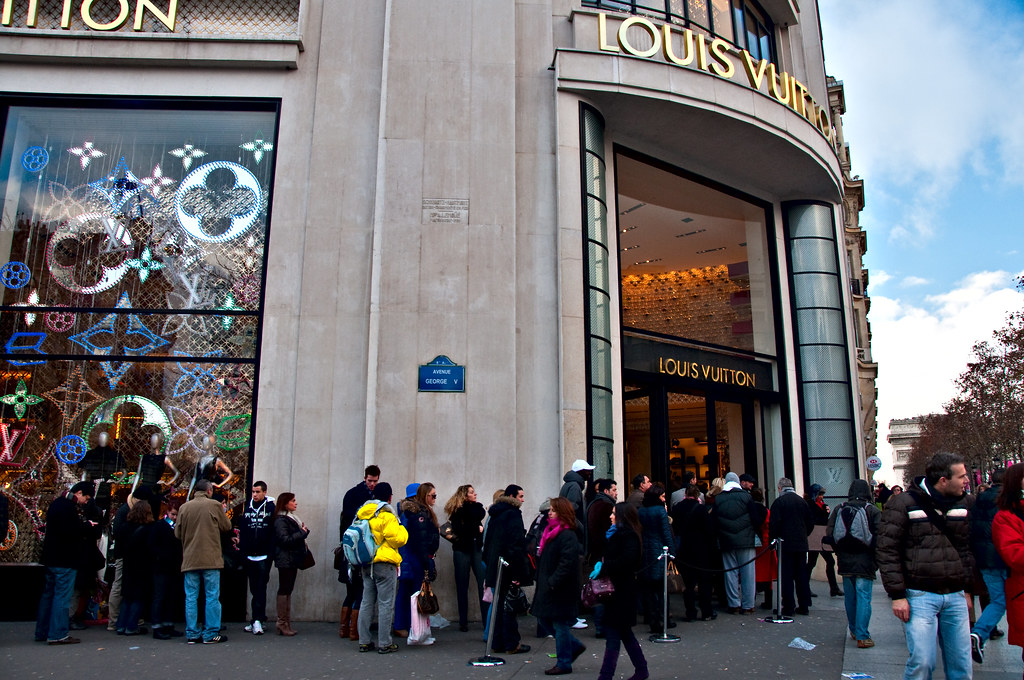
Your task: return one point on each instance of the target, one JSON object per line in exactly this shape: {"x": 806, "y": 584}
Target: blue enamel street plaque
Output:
{"x": 442, "y": 375}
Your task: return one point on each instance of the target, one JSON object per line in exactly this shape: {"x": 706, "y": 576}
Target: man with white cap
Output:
{"x": 576, "y": 480}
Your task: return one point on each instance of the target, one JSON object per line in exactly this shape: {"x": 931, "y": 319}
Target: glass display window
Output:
{"x": 132, "y": 254}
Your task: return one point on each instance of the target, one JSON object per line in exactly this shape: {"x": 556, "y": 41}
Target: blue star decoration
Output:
{"x": 106, "y": 326}
{"x": 145, "y": 264}
{"x": 20, "y": 400}
{"x": 119, "y": 186}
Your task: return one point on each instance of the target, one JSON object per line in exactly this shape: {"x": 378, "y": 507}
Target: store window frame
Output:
{"x": 141, "y": 104}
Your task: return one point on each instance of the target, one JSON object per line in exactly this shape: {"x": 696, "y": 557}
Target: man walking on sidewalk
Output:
{"x": 926, "y": 567}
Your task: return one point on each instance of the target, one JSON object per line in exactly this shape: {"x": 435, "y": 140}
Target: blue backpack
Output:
{"x": 358, "y": 542}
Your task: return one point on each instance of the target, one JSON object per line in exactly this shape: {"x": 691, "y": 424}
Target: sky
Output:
{"x": 935, "y": 124}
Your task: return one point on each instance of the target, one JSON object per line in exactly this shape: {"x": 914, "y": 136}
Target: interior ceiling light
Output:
{"x": 656, "y": 259}
{"x": 631, "y": 247}
{"x": 691, "y": 233}
{"x": 687, "y": 220}
{"x": 623, "y": 231}
{"x": 635, "y": 207}
{"x": 710, "y": 250}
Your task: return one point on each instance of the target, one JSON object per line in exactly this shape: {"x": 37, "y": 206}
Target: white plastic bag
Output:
{"x": 419, "y": 631}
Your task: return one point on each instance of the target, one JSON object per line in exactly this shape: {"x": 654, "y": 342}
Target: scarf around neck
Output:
{"x": 550, "y": 531}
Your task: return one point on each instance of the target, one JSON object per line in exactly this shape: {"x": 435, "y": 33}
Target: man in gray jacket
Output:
{"x": 201, "y": 521}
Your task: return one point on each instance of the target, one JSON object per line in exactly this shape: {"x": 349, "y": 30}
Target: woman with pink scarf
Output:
{"x": 557, "y": 597}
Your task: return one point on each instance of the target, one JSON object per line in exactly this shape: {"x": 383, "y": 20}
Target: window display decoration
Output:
{"x": 86, "y": 153}
{"x": 32, "y": 301}
{"x": 12, "y": 536}
{"x": 119, "y": 186}
{"x": 35, "y": 158}
{"x": 199, "y": 377}
{"x": 258, "y": 147}
{"x": 152, "y": 415}
{"x": 145, "y": 264}
{"x": 187, "y": 153}
{"x": 78, "y": 229}
{"x": 67, "y": 202}
{"x": 11, "y": 441}
{"x": 60, "y": 322}
{"x": 15, "y": 275}
{"x": 245, "y": 181}
{"x": 13, "y": 348}
{"x": 157, "y": 182}
{"x": 233, "y": 432}
{"x": 106, "y": 326}
{"x": 70, "y": 449}
{"x": 229, "y": 306}
{"x": 189, "y": 430}
{"x": 21, "y": 400}
{"x": 73, "y": 396}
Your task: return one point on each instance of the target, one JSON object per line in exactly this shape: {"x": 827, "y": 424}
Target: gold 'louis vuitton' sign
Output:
{"x": 716, "y": 56}
{"x": 85, "y": 10}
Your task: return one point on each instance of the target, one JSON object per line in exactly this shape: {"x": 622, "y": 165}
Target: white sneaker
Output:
{"x": 580, "y": 623}
{"x": 257, "y": 628}
{"x": 248, "y": 629}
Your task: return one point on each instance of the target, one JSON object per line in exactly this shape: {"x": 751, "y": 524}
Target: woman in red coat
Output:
{"x": 1008, "y": 536}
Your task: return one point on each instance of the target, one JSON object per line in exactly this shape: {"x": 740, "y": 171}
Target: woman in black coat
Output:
{"x": 467, "y": 516}
{"x": 290, "y": 534}
{"x": 623, "y": 558}
{"x": 133, "y": 542}
{"x": 657, "y": 534}
{"x": 557, "y": 596}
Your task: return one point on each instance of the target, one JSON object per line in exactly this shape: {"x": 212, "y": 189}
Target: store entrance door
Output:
{"x": 668, "y": 432}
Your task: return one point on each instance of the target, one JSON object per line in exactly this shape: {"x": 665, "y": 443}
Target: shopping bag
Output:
{"x": 419, "y": 631}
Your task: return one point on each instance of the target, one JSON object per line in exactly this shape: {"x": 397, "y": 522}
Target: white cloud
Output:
{"x": 879, "y": 278}
{"x": 911, "y": 281}
{"x": 921, "y": 350}
{"x": 933, "y": 89}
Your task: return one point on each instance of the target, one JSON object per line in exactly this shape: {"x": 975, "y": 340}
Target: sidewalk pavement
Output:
{"x": 728, "y": 648}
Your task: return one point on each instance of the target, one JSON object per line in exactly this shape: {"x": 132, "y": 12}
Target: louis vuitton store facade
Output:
{"x": 248, "y": 226}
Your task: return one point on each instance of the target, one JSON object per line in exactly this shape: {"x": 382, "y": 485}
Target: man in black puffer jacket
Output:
{"x": 927, "y": 566}
{"x": 505, "y": 538}
{"x": 736, "y": 531}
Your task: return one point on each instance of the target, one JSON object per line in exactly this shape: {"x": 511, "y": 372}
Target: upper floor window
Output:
{"x": 741, "y": 22}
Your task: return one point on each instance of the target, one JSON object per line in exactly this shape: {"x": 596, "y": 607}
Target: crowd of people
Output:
{"x": 934, "y": 544}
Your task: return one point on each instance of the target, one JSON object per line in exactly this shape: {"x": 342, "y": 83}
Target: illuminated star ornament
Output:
{"x": 119, "y": 186}
{"x": 258, "y": 147}
{"x": 187, "y": 153}
{"x": 20, "y": 400}
{"x": 145, "y": 264}
{"x": 86, "y": 153}
{"x": 157, "y": 182}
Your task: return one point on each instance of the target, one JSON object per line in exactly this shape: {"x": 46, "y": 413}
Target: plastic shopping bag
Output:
{"x": 419, "y": 631}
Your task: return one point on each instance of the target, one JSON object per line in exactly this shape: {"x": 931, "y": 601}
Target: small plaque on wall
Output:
{"x": 445, "y": 211}
{"x": 442, "y": 375}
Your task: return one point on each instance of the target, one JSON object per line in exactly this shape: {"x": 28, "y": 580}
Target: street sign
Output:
{"x": 442, "y": 375}
{"x": 874, "y": 463}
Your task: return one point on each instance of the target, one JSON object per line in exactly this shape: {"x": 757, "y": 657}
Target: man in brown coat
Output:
{"x": 201, "y": 521}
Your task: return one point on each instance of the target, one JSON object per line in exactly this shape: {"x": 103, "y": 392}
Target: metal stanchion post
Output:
{"x": 665, "y": 637}
{"x": 777, "y": 616}
{"x": 487, "y": 659}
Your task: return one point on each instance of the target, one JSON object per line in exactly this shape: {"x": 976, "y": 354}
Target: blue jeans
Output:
{"x": 740, "y": 583}
{"x": 857, "y": 591}
{"x": 995, "y": 581}
{"x": 52, "y": 616}
{"x": 943, "y": 618}
{"x": 566, "y": 643}
{"x": 211, "y": 584}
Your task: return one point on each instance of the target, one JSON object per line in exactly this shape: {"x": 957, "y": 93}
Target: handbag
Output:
{"x": 426, "y": 601}
{"x": 308, "y": 560}
{"x": 675, "y": 581}
{"x": 596, "y": 590}
{"x": 448, "y": 532}
{"x": 516, "y": 602}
